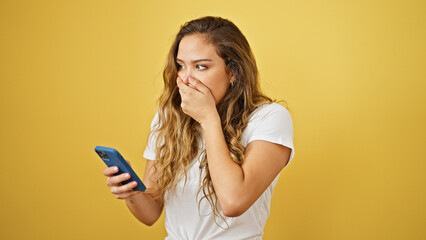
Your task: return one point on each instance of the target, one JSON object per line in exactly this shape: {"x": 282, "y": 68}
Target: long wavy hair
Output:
{"x": 178, "y": 135}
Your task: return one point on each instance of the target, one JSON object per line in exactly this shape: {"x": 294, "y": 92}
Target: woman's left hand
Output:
{"x": 197, "y": 100}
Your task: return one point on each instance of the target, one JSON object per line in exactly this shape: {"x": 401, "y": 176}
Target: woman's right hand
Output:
{"x": 119, "y": 190}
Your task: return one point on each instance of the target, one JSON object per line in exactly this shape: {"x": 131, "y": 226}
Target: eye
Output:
{"x": 201, "y": 67}
{"x": 180, "y": 66}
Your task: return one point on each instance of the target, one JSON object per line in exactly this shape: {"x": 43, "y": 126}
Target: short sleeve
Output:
{"x": 149, "y": 152}
{"x": 272, "y": 123}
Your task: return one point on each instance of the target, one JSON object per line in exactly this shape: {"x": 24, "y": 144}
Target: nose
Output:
{"x": 185, "y": 74}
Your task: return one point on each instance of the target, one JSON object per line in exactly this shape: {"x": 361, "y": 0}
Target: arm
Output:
{"x": 142, "y": 205}
{"x": 238, "y": 187}
{"x": 146, "y": 209}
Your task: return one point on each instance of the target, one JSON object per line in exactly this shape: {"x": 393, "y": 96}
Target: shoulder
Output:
{"x": 155, "y": 122}
{"x": 271, "y": 111}
{"x": 270, "y": 122}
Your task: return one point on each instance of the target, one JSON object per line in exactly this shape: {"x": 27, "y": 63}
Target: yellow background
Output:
{"x": 76, "y": 74}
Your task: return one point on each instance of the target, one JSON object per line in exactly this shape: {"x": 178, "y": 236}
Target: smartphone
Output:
{"x": 112, "y": 157}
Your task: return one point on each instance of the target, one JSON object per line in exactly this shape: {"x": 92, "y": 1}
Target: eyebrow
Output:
{"x": 198, "y": 60}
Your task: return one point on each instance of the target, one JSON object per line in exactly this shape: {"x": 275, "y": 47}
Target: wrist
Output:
{"x": 211, "y": 121}
{"x": 133, "y": 197}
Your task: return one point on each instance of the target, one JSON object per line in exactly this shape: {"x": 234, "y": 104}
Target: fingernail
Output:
{"x": 115, "y": 169}
{"x": 190, "y": 79}
{"x": 127, "y": 175}
{"x": 134, "y": 183}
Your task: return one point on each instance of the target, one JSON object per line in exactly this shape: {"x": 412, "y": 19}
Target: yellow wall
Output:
{"x": 76, "y": 74}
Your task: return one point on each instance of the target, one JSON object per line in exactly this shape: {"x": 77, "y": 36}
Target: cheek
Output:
{"x": 214, "y": 78}
{"x": 218, "y": 85}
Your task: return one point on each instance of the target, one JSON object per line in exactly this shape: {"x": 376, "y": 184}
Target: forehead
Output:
{"x": 194, "y": 46}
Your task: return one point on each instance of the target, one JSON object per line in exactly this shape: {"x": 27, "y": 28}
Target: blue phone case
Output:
{"x": 112, "y": 157}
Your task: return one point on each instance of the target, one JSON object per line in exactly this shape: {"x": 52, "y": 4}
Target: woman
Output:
{"x": 217, "y": 144}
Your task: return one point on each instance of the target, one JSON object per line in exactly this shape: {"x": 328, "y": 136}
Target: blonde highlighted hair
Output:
{"x": 178, "y": 135}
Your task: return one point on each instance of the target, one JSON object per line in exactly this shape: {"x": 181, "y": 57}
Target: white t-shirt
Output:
{"x": 185, "y": 220}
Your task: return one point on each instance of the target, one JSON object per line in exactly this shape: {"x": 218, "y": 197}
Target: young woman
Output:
{"x": 217, "y": 144}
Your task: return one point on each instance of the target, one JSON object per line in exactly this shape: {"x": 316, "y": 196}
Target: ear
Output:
{"x": 231, "y": 75}
{"x": 230, "y": 70}
{"x": 232, "y": 80}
